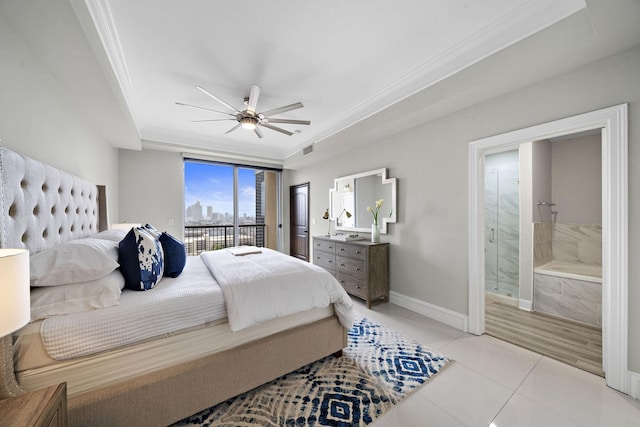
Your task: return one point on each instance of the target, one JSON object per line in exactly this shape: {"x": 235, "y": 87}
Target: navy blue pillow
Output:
{"x": 175, "y": 254}
{"x": 141, "y": 259}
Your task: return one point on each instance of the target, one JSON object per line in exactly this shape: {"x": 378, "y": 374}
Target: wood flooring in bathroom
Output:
{"x": 574, "y": 343}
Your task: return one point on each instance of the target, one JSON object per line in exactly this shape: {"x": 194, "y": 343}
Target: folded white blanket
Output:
{"x": 244, "y": 250}
{"x": 270, "y": 284}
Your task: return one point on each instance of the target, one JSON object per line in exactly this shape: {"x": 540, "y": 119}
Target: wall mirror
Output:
{"x": 352, "y": 194}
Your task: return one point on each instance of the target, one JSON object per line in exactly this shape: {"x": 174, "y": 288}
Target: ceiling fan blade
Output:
{"x": 203, "y": 108}
{"x": 282, "y": 109}
{"x": 232, "y": 129}
{"x": 289, "y": 121}
{"x": 229, "y": 106}
{"x": 277, "y": 129}
{"x": 211, "y": 120}
{"x": 258, "y": 132}
{"x": 253, "y": 99}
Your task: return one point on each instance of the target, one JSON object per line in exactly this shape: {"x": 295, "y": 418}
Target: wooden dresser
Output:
{"x": 46, "y": 407}
{"x": 361, "y": 267}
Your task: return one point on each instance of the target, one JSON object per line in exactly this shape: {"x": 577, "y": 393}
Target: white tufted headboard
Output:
{"x": 41, "y": 206}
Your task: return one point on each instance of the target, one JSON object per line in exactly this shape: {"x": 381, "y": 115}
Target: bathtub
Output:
{"x": 586, "y": 272}
{"x": 569, "y": 290}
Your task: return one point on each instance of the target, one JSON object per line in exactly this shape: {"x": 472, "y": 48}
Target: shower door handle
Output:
{"x": 491, "y": 235}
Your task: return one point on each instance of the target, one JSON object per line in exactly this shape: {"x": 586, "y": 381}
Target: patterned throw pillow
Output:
{"x": 141, "y": 259}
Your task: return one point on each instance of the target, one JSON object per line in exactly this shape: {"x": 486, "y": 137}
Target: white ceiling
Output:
{"x": 344, "y": 60}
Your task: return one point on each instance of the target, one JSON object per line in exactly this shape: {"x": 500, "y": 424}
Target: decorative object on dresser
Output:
{"x": 375, "y": 230}
{"x": 361, "y": 267}
{"x": 15, "y": 310}
{"x": 45, "y": 407}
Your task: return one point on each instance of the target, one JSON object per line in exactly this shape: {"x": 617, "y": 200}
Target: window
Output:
{"x": 229, "y": 205}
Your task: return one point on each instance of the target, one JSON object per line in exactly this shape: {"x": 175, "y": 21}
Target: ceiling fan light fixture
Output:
{"x": 249, "y": 123}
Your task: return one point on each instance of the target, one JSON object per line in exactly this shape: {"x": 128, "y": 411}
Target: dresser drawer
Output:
{"x": 352, "y": 285}
{"x": 351, "y": 251}
{"x": 323, "y": 245}
{"x": 351, "y": 266}
{"x": 325, "y": 260}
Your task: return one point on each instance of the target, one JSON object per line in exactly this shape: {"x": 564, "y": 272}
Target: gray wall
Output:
{"x": 38, "y": 118}
{"x": 152, "y": 189}
{"x": 576, "y": 174}
{"x": 429, "y": 243}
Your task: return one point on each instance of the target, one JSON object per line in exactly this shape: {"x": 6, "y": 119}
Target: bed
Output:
{"x": 156, "y": 365}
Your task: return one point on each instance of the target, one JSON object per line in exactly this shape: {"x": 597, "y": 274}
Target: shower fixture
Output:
{"x": 546, "y": 204}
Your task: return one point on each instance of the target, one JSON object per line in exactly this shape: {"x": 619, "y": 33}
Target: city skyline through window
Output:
{"x": 229, "y": 205}
{"x": 209, "y": 194}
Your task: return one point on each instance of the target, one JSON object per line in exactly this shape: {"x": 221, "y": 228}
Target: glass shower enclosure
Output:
{"x": 502, "y": 223}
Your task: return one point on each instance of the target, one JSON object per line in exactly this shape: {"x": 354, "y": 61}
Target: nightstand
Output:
{"x": 45, "y": 407}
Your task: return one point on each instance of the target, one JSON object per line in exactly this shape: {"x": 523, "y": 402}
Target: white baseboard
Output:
{"x": 634, "y": 385}
{"x": 441, "y": 314}
{"x": 524, "y": 304}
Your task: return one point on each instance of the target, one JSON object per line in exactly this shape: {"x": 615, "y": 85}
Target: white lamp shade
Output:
{"x": 15, "y": 304}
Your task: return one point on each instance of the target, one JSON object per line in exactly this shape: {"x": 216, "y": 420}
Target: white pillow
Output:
{"x": 81, "y": 260}
{"x": 76, "y": 297}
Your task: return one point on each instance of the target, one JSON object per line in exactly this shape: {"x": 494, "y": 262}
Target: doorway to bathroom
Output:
{"x": 558, "y": 190}
{"x": 613, "y": 125}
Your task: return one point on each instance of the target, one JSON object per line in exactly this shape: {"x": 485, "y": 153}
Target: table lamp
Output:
{"x": 15, "y": 312}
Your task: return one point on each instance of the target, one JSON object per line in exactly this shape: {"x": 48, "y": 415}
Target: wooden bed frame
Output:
{"x": 40, "y": 207}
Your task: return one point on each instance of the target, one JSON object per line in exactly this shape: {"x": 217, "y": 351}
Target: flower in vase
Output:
{"x": 374, "y": 211}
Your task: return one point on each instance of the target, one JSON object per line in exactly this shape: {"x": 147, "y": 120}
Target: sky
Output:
{"x": 212, "y": 185}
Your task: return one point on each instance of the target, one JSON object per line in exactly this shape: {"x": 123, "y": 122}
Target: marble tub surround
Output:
{"x": 579, "y": 300}
{"x": 577, "y": 243}
{"x": 567, "y": 242}
{"x": 586, "y": 272}
{"x": 567, "y": 278}
{"x": 542, "y": 243}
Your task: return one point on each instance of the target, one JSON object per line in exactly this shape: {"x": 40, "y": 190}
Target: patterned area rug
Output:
{"x": 378, "y": 369}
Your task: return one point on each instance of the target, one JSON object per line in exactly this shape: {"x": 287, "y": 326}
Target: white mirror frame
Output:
{"x": 382, "y": 220}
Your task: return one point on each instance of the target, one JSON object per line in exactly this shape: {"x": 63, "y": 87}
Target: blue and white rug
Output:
{"x": 379, "y": 368}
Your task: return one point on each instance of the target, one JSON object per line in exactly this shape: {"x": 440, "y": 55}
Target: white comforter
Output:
{"x": 265, "y": 285}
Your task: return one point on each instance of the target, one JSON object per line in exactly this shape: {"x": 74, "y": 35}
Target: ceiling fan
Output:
{"x": 249, "y": 118}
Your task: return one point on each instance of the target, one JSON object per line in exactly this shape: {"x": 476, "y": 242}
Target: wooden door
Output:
{"x": 299, "y": 219}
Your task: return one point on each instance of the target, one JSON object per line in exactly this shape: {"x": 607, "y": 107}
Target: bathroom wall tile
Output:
{"x": 583, "y": 290}
{"x": 587, "y": 239}
{"x": 565, "y": 250}
{"x": 575, "y": 309}
{"x": 542, "y": 247}
{"x": 590, "y": 252}
{"x": 542, "y": 253}
{"x": 547, "y": 284}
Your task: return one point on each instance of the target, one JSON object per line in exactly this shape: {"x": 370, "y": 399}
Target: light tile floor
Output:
{"x": 494, "y": 383}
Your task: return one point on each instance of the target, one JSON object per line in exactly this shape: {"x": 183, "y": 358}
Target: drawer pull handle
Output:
{"x": 341, "y": 265}
{"x": 329, "y": 260}
{"x": 341, "y": 249}
{"x": 357, "y": 287}
{"x": 357, "y": 269}
{"x": 358, "y": 252}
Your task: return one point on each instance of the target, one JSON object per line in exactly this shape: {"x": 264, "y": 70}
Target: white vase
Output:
{"x": 375, "y": 233}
